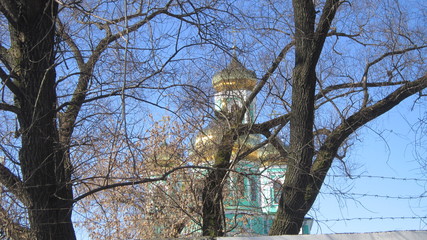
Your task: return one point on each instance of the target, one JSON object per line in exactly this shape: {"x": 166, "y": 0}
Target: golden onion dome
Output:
{"x": 234, "y": 77}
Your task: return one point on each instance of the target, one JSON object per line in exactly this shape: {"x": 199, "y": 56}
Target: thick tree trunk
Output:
{"x": 44, "y": 161}
{"x": 295, "y": 202}
{"x": 292, "y": 207}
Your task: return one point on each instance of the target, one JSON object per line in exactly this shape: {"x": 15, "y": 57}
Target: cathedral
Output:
{"x": 253, "y": 187}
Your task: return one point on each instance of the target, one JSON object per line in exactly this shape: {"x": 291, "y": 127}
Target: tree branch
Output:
{"x": 5, "y": 78}
{"x": 5, "y": 56}
{"x": 14, "y": 185}
{"x": 9, "y": 8}
{"x": 276, "y": 142}
{"x": 364, "y": 80}
{"x": 12, "y": 229}
{"x": 74, "y": 48}
{"x": 136, "y": 182}
{"x": 264, "y": 79}
{"x": 80, "y": 92}
{"x": 325, "y": 21}
{"x": 261, "y": 128}
{"x": 324, "y": 25}
{"x": 10, "y": 108}
{"x": 329, "y": 89}
{"x": 392, "y": 53}
{"x": 329, "y": 148}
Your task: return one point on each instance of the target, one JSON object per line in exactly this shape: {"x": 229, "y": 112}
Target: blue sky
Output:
{"x": 386, "y": 147}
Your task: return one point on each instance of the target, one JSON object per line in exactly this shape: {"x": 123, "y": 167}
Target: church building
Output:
{"x": 254, "y": 184}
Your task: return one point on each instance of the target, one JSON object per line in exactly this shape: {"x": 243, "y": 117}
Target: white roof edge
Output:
{"x": 393, "y": 235}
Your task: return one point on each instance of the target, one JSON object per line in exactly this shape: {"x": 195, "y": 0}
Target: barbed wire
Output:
{"x": 376, "y": 195}
{"x": 382, "y": 177}
{"x": 118, "y": 179}
{"x": 109, "y": 220}
{"x": 372, "y": 219}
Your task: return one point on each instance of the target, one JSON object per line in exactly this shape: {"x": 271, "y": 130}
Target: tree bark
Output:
{"x": 44, "y": 161}
{"x": 293, "y": 205}
{"x": 306, "y": 172}
{"x": 212, "y": 212}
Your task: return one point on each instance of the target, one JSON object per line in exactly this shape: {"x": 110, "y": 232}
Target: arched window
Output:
{"x": 240, "y": 185}
{"x": 254, "y": 188}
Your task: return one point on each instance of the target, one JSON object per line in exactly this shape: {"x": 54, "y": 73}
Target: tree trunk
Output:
{"x": 212, "y": 212}
{"x": 44, "y": 161}
{"x": 294, "y": 202}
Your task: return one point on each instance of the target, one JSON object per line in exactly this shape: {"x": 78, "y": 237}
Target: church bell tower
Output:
{"x": 233, "y": 85}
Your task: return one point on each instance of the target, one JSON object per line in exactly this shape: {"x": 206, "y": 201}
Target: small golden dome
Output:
{"x": 234, "y": 77}
{"x": 207, "y": 142}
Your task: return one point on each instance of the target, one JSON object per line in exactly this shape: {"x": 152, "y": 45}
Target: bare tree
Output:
{"x": 166, "y": 208}
{"x": 66, "y": 67}
{"x": 325, "y": 38}
{"x": 78, "y": 77}
{"x": 308, "y": 165}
